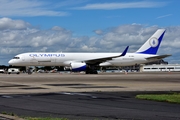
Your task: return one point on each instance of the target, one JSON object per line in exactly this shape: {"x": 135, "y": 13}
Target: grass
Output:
{"x": 11, "y": 114}
{"x": 172, "y": 97}
{"x": 33, "y": 118}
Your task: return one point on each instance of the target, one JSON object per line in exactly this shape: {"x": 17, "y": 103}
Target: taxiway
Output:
{"x": 80, "y": 96}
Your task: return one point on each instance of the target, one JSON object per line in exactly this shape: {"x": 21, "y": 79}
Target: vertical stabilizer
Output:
{"x": 151, "y": 46}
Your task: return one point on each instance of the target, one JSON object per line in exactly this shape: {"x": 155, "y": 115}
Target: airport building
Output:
{"x": 160, "y": 68}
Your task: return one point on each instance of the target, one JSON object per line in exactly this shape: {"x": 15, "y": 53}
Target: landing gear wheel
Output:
{"x": 87, "y": 72}
{"x": 95, "y": 72}
{"x": 91, "y": 72}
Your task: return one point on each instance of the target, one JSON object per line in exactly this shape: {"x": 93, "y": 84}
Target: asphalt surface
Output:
{"x": 79, "y": 96}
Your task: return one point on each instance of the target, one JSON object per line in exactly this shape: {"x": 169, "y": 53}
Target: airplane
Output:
{"x": 88, "y": 61}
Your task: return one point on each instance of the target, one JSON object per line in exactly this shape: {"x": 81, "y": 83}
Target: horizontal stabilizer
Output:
{"x": 159, "y": 57}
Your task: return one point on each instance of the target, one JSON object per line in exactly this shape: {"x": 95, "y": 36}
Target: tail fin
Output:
{"x": 152, "y": 44}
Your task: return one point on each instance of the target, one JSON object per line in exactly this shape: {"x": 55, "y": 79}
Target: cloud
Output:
{"x": 7, "y": 23}
{"x": 98, "y": 32}
{"x": 69, "y": 3}
{"x": 28, "y": 8}
{"x": 15, "y": 40}
{"x": 122, "y": 5}
{"x": 164, "y": 16}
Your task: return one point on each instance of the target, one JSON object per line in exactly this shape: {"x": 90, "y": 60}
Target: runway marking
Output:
{"x": 6, "y": 96}
{"x": 80, "y": 94}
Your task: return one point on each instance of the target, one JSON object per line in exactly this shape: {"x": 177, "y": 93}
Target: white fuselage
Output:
{"x": 65, "y": 59}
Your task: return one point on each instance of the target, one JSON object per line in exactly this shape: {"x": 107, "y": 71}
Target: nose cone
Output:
{"x": 11, "y": 62}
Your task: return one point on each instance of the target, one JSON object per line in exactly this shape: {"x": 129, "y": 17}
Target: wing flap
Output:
{"x": 100, "y": 60}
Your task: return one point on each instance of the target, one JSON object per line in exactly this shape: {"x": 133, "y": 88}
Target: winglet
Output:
{"x": 125, "y": 51}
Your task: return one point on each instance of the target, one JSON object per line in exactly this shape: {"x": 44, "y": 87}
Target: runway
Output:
{"x": 80, "y": 96}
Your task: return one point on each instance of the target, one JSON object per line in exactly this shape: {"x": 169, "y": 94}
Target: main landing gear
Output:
{"x": 91, "y": 70}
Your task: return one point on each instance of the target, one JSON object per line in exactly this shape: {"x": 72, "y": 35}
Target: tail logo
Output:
{"x": 154, "y": 42}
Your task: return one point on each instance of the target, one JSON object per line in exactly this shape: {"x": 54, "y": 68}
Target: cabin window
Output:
{"x": 162, "y": 68}
{"x": 154, "y": 68}
{"x": 16, "y": 58}
{"x": 170, "y": 68}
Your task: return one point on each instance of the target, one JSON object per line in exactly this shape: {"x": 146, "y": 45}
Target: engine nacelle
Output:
{"x": 78, "y": 66}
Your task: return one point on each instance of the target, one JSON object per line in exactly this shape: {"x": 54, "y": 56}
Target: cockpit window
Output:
{"x": 16, "y": 58}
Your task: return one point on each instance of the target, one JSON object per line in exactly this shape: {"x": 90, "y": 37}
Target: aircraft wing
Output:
{"x": 100, "y": 60}
{"x": 158, "y": 57}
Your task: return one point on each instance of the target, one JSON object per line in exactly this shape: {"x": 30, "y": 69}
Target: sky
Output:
{"x": 87, "y": 26}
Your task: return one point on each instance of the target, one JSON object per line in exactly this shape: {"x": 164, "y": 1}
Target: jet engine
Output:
{"x": 78, "y": 66}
